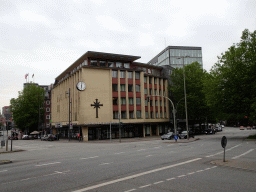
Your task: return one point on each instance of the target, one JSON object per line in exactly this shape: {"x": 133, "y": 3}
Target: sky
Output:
{"x": 44, "y": 37}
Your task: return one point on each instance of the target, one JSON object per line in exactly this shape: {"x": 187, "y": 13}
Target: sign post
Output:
{"x": 224, "y": 144}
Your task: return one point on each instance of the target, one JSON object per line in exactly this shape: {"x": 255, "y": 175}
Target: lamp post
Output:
{"x": 185, "y": 94}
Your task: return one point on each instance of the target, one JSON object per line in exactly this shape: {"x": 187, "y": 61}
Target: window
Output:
{"x": 102, "y": 63}
{"x": 122, "y": 87}
{"x": 47, "y": 116}
{"x": 110, "y": 64}
{"x": 145, "y": 79}
{"x": 150, "y": 80}
{"x": 118, "y": 64}
{"x": 145, "y": 91}
{"x": 152, "y": 114}
{"x": 159, "y": 81}
{"x": 157, "y": 114}
{"x": 165, "y": 103}
{"x": 144, "y": 70}
{"x": 146, "y": 114}
{"x": 146, "y": 102}
{"x": 156, "y": 93}
{"x": 130, "y": 76}
{"x": 127, "y": 65}
{"x": 156, "y": 103}
{"x": 161, "y": 115}
{"x": 138, "y": 101}
{"x": 160, "y": 103}
{"x": 130, "y": 100}
{"x": 137, "y": 75}
{"x": 114, "y": 87}
{"x": 48, "y": 102}
{"x": 94, "y": 63}
{"x": 114, "y": 74}
{"x": 123, "y": 101}
{"x": 115, "y": 114}
{"x": 123, "y": 115}
{"x": 150, "y": 91}
{"x": 155, "y": 80}
{"x": 115, "y": 101}
{"x": 164, "y": 93}
{"x": 122, "y": 74}
{"x": 48, "y": 125}
{"x": 47, "y": 109}
{"x": 138, "y": 114}
{"x": 137, "y": 88}
{"x": 131, "y": 114}
{"x": 151, "y": 103}
{"x": 130, "y": 88}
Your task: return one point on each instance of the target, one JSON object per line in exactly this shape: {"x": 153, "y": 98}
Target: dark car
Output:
{"x": 209, "y": 131}
{"x": 168, "y": 136}
{"x": 49, "y": 137}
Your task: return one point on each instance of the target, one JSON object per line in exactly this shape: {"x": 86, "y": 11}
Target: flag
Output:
{"x": 26, "y": 76}
{"x": 32, "y": 75}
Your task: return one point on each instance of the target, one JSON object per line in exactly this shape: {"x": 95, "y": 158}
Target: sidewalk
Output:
{"x": 249, "y": 166}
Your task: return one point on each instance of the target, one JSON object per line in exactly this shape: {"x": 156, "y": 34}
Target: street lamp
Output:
{"x": 185, "y": 94}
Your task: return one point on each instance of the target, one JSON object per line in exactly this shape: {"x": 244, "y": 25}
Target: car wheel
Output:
{"x": 162, "y": 139}
{"x": 185, "y": 137}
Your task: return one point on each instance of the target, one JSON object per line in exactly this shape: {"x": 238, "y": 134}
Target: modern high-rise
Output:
{"x": 171, "y": 55}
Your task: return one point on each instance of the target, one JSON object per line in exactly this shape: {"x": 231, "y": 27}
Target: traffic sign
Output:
{"x": 223, "y": 141}
{"x": 176, "y": 137}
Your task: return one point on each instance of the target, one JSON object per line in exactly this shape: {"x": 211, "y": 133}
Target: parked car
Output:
{"x": 249, "y": 128}
{"x": 219, "y": 128}
{"x": 241, "y": 127}
{"x": 13, "y": 138}
{"x": 49, "y": 137}
{"x": 31, "y": 137}
{"x": 168, "y": 136}
{"x": 25, "y": 137}
{"x": 209, "y": 131}
{"x": 184, "y": 134}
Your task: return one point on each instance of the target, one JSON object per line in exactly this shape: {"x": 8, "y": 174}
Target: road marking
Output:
{"x": 136, "y": 175}
{"x": 170, "y": 179}
{"x": 105, "y": 163}
{"x": 214, "y": 167}
{"x": 170, "y": 145}
{"x": 182, "y": 176}
{"x": 157, "y": 147}
{"x": 90, "y": 157}
{"x": 3, "y": 171}
{"x": 149, "y": 155}
{"x": 223, "y": 151}
{"x": 207, "y": 168}
{"x": 191, "y": 173}
{"x": 130, "y": 190}
{"x": 145, "y": 186}
{"x": 141, "y": 150}
{"x": 199, "y": 171}
{"x": 47, "y": 164}
{"x": 119, "y": 153}
{"x": 158, "y": 182}
{"x": 236, "y": 157}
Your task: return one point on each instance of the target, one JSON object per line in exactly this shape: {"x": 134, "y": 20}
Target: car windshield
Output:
{"x": 183, "y": 132}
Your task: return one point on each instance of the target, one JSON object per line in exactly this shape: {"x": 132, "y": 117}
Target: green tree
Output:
{"x": 230, "y": 87}
{"x": 27, "y": 107}
{"x": 196, "y": 104}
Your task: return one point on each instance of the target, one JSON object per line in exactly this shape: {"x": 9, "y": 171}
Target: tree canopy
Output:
{"x": 27, "y": 107}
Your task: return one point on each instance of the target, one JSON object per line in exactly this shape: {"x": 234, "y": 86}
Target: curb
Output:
{"x": 5, "y": 162}
{"x": 228, "y": 163}
{"x": 17, "y": 150}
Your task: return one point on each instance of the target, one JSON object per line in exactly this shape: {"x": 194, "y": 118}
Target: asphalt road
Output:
{"x": 138, "y": 166}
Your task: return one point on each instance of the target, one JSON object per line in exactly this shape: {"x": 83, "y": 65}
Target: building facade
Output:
{"x": 111, "y": 86}
{"x": 171, "y": 56}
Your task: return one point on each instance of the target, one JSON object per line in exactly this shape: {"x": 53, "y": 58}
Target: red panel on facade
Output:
{"x": 150, "y": 86}
{"x": 130, "y": 81}
{"x": 130, "y": 94}
{"x": 155, "y": 86}
{"x": 115, "y": 94}
{"x": 138, "y": 107}
{"x": 145, "y": 85}
{"x": 138, "y": 94}
{"x": 122, "y": 80}
{"x": 131, "y": 107}
{"x": 146, "y": 108}
{"x": 151, "y": 109}
{"x": 123, "y": 107}
{"x": 156, "y": 109}
{"x": 114, "y": 81}
{"x": 123, "y": 94}
{"x": 137, "y": 81}
{"x": 115, "y": 107}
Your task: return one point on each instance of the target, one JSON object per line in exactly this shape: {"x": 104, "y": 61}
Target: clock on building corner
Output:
{"x": 80, "y": 86}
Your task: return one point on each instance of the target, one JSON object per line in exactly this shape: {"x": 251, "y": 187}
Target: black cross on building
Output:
{"x": 96, "y": 105}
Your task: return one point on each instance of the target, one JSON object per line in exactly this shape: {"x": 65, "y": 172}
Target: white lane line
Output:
{"x": 158, "y": 182}
{"x": 157, "y": 147}
{"x": 170, "y": 179}
{"x": 199, "y": 171}
{"x": 90, "y": 157}
{"x": 47, "y": 164}
{"x": 145, "y": 186}
{"x": 119, "y": 153}
{"x": 236, "y": 157}
{"x": 105, "y": 163}
{"x": 141, "y": 150}
{"x": 149, "y": 155}
{"x": 169, "y": 145}
{"x": 190, "y": 173}
{"x": 182, "y": 176}
{"x": 136, "y": 175}
{"x": 207, "y": 168}
{"x": 3, "y": 171}
{"x": 130, "y": 190}
{"x": 214, "y": 167}
{"x": 223, "y": 151}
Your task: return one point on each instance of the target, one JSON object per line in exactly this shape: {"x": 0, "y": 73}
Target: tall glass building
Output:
{"x": 172, "y": 55}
